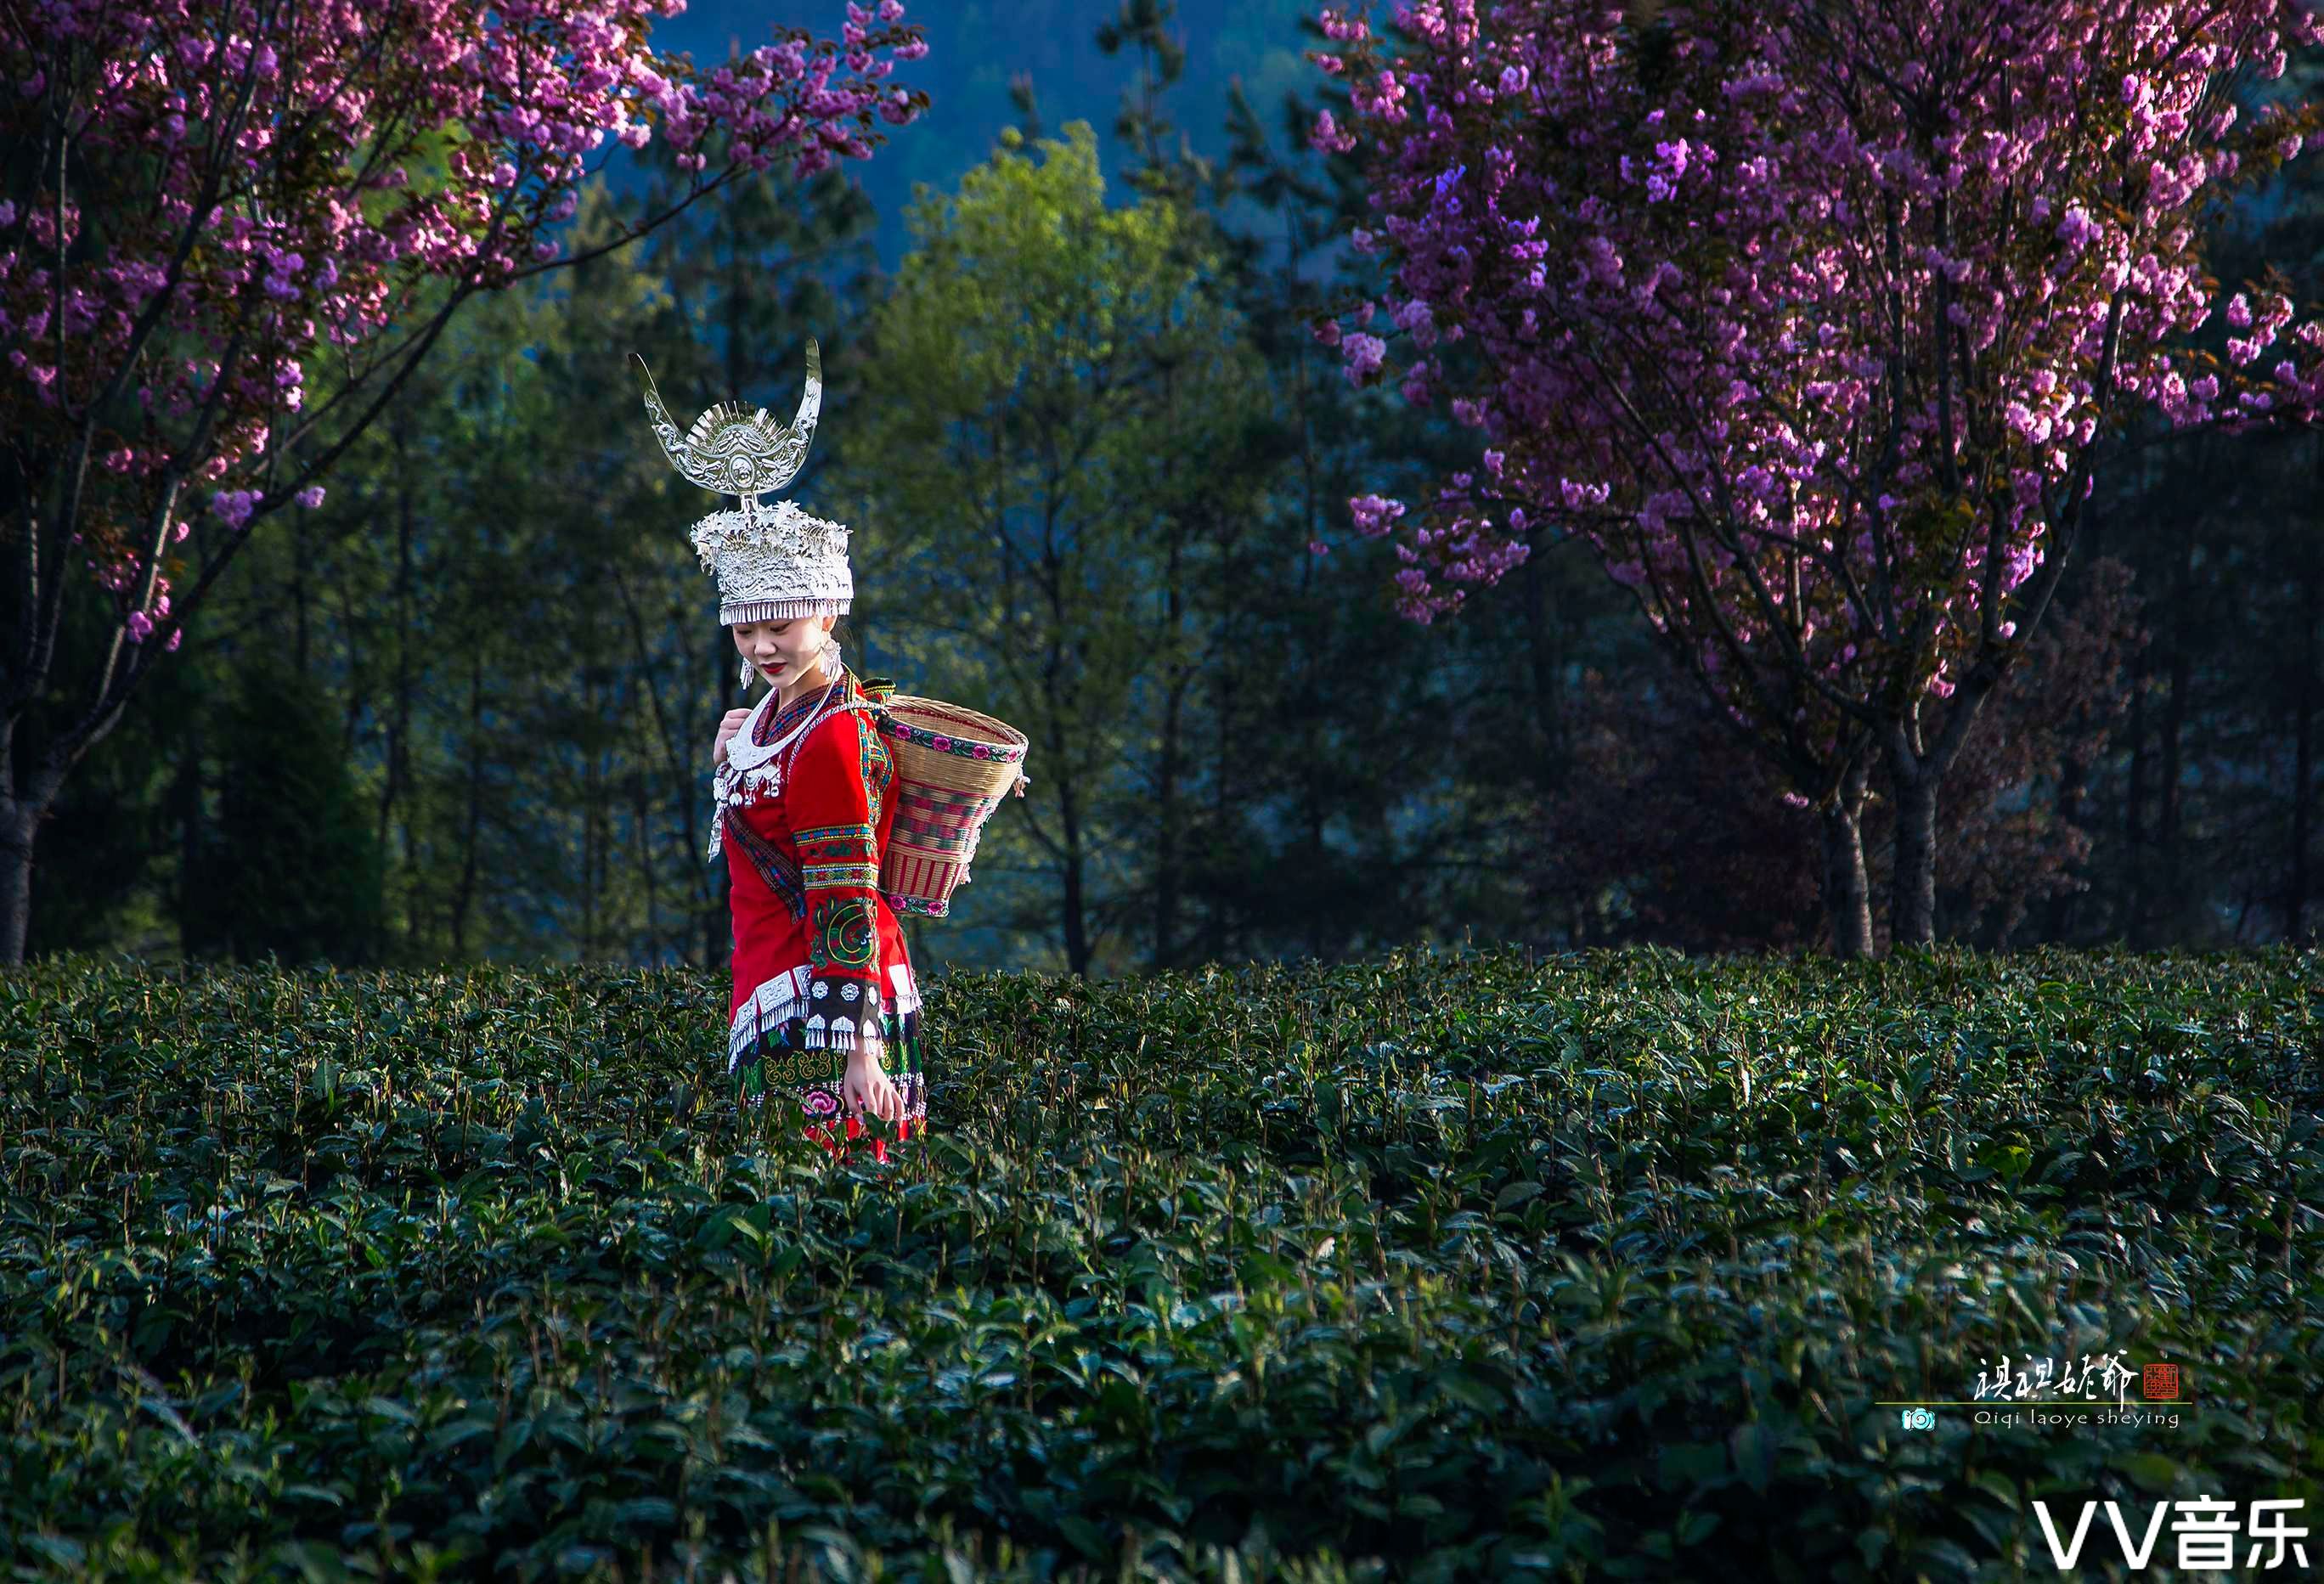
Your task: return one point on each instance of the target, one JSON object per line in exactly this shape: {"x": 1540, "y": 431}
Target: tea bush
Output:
{"x": 1443, "y": 1268}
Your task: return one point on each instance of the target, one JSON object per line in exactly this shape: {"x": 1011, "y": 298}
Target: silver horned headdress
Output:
{"x": 773, "y": 563}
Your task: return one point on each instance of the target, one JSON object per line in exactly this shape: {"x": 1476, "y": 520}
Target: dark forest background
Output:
{"x": 1098, "y": 470}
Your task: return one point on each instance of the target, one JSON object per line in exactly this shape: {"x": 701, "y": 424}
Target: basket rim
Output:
{"x": 914, "y": 703}
{"x": 962, "y": 729}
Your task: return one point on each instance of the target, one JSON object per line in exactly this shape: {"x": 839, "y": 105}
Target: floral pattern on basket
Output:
{"x": 940, "y": 742}
{"x": 921, "y": 907}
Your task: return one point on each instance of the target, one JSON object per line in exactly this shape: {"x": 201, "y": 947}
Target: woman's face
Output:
{"x": 783, "y": 651}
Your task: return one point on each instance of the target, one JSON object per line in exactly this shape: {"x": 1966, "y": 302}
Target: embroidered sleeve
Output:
{"x": 835, "y": 793}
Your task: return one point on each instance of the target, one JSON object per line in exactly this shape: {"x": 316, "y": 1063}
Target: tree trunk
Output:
{"x": 358, "y": 684}
{"x": 592, "y": 811}
{"x": 1321, "y": 945}
{"x": 186, "y": 796}
{"x": 399, "y": 731}
{"x": 463, "y": 895}
{"x": 2134, "y": 821}
{"x": 299, "y": 597}
{"x": 1847, "y": 892}
{"x": 675, "y": 743}
{"x": 642, "y": 828}
{"x": 2303, "y": 758}
{"x": 1077, "y": 923}
{"x": 1544, "y": 640}
{"x": 19, "y": 822}
{"x": 1545, "y": 649}
{"x": 717, "y": 913}
{"x": 2174, "y": 726}
{"x": 1225, "y": 789}
{"x": 1170, "y": 861}
{"x": 2072, "y": 780}
{"x": 1913, "y": 907}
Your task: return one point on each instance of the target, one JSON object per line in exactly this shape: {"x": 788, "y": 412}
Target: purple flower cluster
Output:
{"x": 1809, "y": 331}
{"x": 275, "y": 225}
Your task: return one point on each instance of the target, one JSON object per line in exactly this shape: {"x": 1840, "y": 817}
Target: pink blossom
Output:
{"x": 2078, "y": 230}
{"x": 232, "y": 507}
{"x": 316, "y": 242}
{"x": 1327, "y": 135}
{"x": 1374, "y": 515}
{"x": 1678, "y": 327}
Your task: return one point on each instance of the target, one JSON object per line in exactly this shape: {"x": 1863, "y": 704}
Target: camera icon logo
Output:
{"x": 1918, "y": 1418}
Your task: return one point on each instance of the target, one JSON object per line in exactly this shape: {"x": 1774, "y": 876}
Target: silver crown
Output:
{"x": 773, "y": 563}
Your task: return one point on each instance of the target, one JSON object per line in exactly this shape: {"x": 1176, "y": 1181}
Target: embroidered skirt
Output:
{"x": 773, "y": 1056}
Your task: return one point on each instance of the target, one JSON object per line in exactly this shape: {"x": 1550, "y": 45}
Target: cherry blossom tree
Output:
{"x": 229, "y": 231}
{"x": 1814, "y": 320}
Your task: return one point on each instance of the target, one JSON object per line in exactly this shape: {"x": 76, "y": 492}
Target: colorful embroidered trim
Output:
{"x": 772, "y": 725}
{"x": 925, "y": 906}
{"x": 780, "y": 1054}
{"x": 900, "y": 1034}
{"x": 963, "y": 747}
{"x": 841, "y": 936}
{"x": 783, "y": 998}
{"x": 849, "y": 858}
{"x": 841, "y": 1015}
{"x": 875, "y": 751}
{"x": 837, "y": 842}
{"x": 878, "y": 764}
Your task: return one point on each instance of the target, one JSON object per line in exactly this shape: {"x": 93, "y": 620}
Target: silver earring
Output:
{"x": 831, "y": 661}
{"x": 746, "y": 673}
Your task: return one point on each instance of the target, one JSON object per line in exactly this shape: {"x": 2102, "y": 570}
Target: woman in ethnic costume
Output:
{"x": 823, "y": 1001}
{"x": 824, "y": 1007}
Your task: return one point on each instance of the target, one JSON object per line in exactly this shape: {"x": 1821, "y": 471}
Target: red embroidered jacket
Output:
{"x": 813, "y": 939}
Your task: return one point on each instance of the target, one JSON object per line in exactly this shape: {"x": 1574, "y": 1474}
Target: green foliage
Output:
{"x": 287, "y": 792}
{"x": 1055, "y": 421}
{"x": 98, "y": 843}
{"x": 1444, "y": 1268}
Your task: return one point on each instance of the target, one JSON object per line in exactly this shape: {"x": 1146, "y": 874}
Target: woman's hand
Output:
{"x": 868, "y": 1088}
{"x": 726, "y": 729}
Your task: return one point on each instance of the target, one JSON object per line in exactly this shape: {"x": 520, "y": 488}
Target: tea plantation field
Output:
{"x": 1443, "y": 1268}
